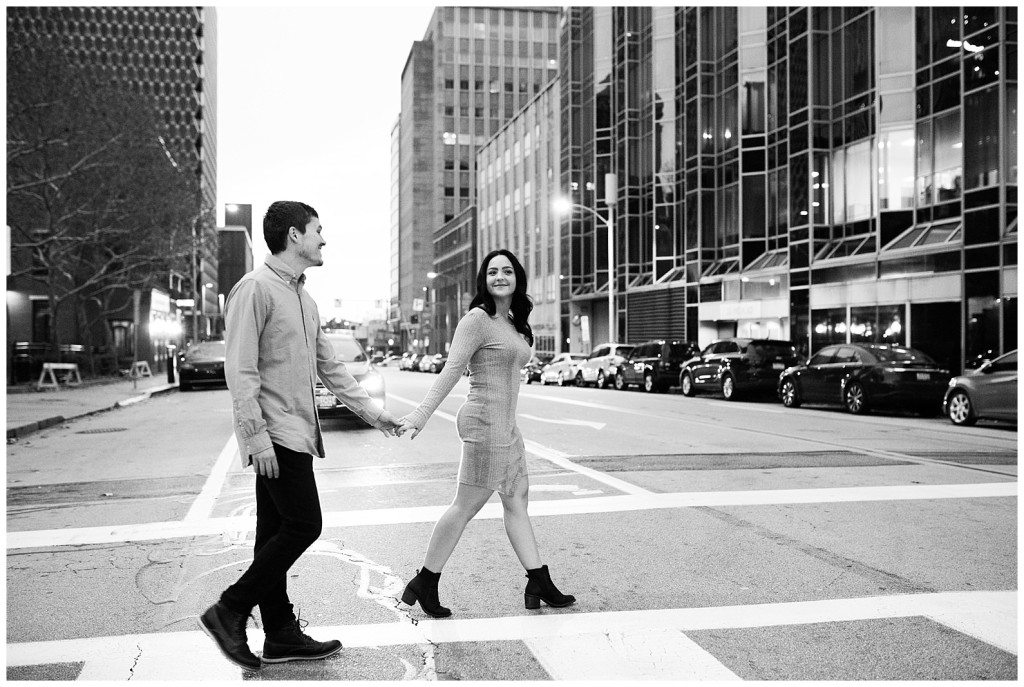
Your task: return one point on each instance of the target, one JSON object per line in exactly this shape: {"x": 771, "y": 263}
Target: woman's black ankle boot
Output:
{"x": 540, "y": 587}
{"x": 423, "y": 588}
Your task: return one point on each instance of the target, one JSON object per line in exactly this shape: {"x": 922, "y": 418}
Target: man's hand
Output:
{"x": 265, "y": 463}
{"x": 405, "y": 424}
{"x": 387, "y": 424}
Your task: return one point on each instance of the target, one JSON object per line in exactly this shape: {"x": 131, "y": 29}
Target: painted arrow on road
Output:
{"x": 582, "y": 423}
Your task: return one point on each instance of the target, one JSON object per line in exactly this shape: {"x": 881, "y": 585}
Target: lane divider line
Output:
{"x": 202, "y": 507}
{"x": 557, "y": 457}
{"x": 162, "y": 531}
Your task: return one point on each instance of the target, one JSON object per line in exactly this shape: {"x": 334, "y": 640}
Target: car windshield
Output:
{"x": 901, "y": 356}
{"x": 207, "y": 350}
{"x": 578, "y": 356}
{"x": 347, "y": 350}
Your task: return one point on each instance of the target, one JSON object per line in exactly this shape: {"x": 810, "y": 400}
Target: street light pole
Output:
{"x": 611, "y": 196}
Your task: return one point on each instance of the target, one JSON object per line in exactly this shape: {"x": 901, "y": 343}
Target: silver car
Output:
{"x": 988, "y": 392}
{"x": 562, "y": 369}
{"x": 602, "y": 365}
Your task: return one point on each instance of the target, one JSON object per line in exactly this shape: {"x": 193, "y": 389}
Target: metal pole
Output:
{"x": 195, "y": 284}
{"x": 610, "y": 197}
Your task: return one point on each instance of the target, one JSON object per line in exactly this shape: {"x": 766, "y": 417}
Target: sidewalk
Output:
{"x": 28, "y": 410}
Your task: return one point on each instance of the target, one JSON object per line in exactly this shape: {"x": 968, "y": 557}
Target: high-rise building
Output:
{"x": 822, "y": 174}
{"x": 517, "y": 180}
{"x": 474, "y": 68}
{"x": 169, "y": 56}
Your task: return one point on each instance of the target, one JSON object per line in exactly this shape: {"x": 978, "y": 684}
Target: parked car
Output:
{"x": 602, "y": 365}
{"x": 562, "y": 369}
{"x": 432, "y": 363}
{"x": 349, "y": 351}
{"x": 738, "y": 366}
{"x": 530, "y": 372}
{"x": 654, "y": 365}
{"x": 406, "y": 362}
{"x": 414, "y": 362}
{"x": 377, "y": 358}
{"x": 988, "y": 392}
{"x": 202, "y": 364}
{"x": 860, "y": 377}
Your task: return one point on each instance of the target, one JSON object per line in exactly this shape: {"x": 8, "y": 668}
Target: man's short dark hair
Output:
{"x": 280, "y": 217}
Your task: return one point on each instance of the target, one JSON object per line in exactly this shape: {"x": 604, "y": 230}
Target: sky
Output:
{"x": 307, "y": 98}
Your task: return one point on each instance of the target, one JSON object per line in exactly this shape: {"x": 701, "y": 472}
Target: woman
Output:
{"x": 494, "y": 339}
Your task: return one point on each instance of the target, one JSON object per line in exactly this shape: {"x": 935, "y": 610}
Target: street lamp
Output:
{"x": 563, "y": 206}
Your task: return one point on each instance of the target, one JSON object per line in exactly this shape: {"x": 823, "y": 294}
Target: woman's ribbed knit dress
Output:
{"x": 493, "y": 454}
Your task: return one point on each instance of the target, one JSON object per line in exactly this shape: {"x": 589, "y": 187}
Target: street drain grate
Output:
{"x": 103, "y": 430}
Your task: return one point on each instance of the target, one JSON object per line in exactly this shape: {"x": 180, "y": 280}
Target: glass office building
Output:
{"x": 474, "y": 69}
{"x": 822, "y": 174}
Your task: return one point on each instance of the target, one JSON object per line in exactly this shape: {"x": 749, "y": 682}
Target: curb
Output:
{"x": 24, "y": 430}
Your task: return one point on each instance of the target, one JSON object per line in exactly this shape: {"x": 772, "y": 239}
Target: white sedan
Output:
{"x": 562, "y": 369}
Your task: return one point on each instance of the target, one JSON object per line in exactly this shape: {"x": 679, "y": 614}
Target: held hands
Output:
{"x": 406, "y": 424}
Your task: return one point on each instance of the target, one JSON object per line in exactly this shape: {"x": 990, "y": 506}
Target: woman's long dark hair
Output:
{"x": 522, "y": 304}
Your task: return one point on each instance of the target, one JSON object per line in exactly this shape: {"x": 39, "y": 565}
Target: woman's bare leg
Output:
{"x": 518, "y": 527}
{"x": 448, "y": 530}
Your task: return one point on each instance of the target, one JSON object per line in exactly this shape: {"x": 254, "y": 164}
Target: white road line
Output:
{"x": 202, "y": 507}
{"x": 557, "y": 457}
{"x": 578, "y": 423}
{"x": 554, "y": 507}
{"x": 659, "y": 654}
{"x": 989, "y": 616}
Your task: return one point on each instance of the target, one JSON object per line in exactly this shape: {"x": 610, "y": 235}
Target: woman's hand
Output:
{"x": 405, "y": 424}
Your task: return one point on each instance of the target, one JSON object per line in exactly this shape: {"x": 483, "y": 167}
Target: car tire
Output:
{"x": 602, "y": 381}
{"x": 686, "y": 384}
{"x": 960, "y": 409}
{"x": 184, "y": 386}
{"x": 728, "y": 387}
{"x": 579, "y": 379}
{"x": 620, "y": 383}
{"x": 649, "y": 385}
{"x": 855, "y": 399}
{"x": 789, "y": 395}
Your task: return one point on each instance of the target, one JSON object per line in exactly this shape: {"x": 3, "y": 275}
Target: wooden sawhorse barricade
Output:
{"x": 48, "y": 377}
{"x": 140, "y": 368}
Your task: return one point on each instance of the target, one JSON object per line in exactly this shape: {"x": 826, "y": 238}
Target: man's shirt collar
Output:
{"x": 283, "y": 270}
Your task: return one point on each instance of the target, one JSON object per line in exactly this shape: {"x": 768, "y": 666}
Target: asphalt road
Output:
{"x": 703, "y": 539}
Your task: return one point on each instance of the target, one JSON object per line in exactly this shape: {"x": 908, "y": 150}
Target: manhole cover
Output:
{"x": 103, "y": 430}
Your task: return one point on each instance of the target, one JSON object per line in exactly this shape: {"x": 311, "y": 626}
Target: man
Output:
{"x": 275, "y": 351}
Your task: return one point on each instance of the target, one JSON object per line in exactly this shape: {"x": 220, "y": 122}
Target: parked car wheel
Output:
{"x": 790, "y": 397}
{"x": 602, "y": 381}
{"x": 649, "y": 385}
{"x": 579, "y": 379}
{"x": 184, "y": 386}
{"x": 855, "y": 398}
{"x": 686, "y": 384}
{"x": 961, "y": 412}
{"x": 620, "y": 383}
{"x": 729, "y": 387}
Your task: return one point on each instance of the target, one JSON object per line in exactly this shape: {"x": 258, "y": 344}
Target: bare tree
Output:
{"x": 92, "y": 191}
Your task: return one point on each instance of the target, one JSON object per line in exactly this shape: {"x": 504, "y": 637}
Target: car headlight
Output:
{"x": 186, "y": 366}
{"x": 373, "y": 384}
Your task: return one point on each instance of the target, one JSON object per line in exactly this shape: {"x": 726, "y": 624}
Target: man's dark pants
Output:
{"x": 288, "y": 521}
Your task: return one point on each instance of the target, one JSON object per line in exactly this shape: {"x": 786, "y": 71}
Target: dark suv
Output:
{"x": 654, "y": 365}
{"x": 738, "y": 366}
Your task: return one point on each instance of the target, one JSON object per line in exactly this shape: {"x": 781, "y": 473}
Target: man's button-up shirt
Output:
{"x": 275, "y": 352}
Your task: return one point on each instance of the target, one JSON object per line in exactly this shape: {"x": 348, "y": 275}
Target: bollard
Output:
{"x": 170, "y": 363}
